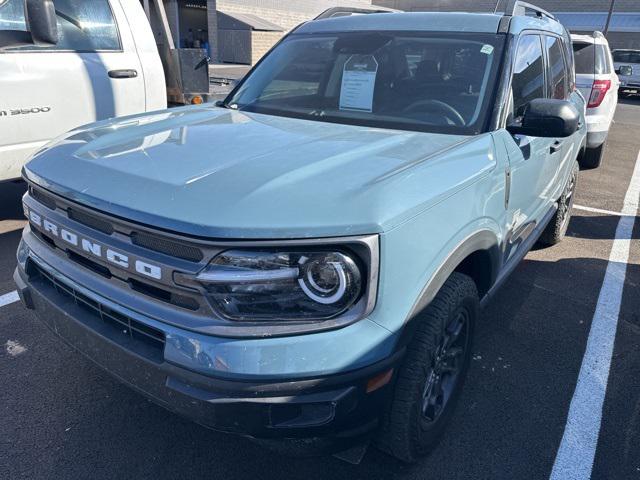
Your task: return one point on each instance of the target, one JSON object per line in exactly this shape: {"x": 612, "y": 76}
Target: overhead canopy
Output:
{"x": 620, "y": 22}
{"x": 245, "y": 21}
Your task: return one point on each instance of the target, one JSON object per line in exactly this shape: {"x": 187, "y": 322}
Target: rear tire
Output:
{"x": 432, "y": 373}
{"x": 557, "y": 227}
{"x": 592, "y": 157}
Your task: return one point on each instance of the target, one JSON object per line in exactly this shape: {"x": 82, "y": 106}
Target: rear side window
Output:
{"x": 558, "y": 81}
{"x": 528, "y": 74}
{"x": 584, "y": 55}
{"x": 83, "y": 26}
{"x": 603, "y": 64}
{"x": 591, "y": 58}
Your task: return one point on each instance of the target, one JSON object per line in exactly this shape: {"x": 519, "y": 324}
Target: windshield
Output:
{"x": 626, "y": 56}
{"x": 433, "y": 82}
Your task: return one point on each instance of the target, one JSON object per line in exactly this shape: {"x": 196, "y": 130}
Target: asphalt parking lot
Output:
{"x": 61, "y": 417}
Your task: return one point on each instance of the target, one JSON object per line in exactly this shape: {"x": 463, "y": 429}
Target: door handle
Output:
{"x": 557, "y": 145}
{"x": 124, "y": 73}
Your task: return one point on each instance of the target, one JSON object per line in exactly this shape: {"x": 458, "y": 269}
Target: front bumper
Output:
{"x": 629, "y": 85}
{"x": 333, "y": 411}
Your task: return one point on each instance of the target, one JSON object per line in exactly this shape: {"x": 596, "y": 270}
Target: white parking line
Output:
{"x": 574, "y": 460}
{"x": 598, "y": 210}
{"x": 8, "y": 298}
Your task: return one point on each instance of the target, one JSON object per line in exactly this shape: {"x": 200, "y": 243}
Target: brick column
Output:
{"x": 212, "y": 25}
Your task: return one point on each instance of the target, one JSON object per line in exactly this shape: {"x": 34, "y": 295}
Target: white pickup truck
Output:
{"x": 102, "y": 62}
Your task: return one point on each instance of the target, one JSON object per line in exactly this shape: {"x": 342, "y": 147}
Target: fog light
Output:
{"x": 197, "y": 100}
{"x": 291, "y": 415}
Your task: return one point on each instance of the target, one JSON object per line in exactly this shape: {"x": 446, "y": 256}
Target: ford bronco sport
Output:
{"x": 305, "y": 262}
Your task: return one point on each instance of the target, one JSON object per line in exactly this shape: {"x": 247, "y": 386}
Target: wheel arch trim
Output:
{"x": 478, "y": 241}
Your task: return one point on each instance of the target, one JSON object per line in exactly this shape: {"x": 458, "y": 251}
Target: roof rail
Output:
{"x": 598, "y": 34}
{"x": 519, "y": 8}
{"x": 348, "y": 11}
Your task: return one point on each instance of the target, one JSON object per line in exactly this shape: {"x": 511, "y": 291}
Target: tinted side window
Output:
{"x": 601, "y": 51}
{"x": 601, "y": 62}
{"x": 557, "y": 69}
{"x": 82, "y": 26}
{"x": 528, "y": 73}
{"x": 584, "y": 55}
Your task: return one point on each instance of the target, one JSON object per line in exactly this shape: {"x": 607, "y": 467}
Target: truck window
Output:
{"x": 528, "y": 74}
{"x": 85, "y": 26}
{"x": 11, "y": 15}
{"x": 557, "y": 73}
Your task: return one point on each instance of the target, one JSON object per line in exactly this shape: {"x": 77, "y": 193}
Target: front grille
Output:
{"x": 117, "y": 323}
{"x": 167, "y": 247}
{"x": 43, "y": 198}
{"x": 90, "y": 221}
{"x": 161, "y": 294}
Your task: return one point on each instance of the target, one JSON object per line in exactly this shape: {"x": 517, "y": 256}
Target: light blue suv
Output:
{"x": 306, "y": 261}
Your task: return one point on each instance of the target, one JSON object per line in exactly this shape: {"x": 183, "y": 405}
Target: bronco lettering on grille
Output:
{"x": 93, "y": 248}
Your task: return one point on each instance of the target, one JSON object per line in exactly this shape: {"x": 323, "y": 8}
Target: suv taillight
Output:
{"x": 598, "y": 92}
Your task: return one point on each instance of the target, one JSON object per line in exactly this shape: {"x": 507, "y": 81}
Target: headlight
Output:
{"x": 283, "y": 285}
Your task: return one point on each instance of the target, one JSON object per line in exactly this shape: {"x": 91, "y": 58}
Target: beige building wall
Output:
{"x": 286, "y": 13}
{"x": 261, "y": 42}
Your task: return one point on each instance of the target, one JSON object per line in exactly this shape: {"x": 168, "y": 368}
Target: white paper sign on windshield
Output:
{"x": 358, "y": 83}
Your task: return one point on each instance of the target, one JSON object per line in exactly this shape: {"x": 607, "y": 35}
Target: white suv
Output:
{"x": 597, "y": 81}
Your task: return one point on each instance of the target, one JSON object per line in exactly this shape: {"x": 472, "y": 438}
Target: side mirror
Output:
{"x": 545, "y": 117}
{"x": 625, "y": 70}
{"x": 42, "y": 27}
{"x": 41, "y": 22}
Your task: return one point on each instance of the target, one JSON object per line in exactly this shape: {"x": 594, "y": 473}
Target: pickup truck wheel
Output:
{"x": 557, "y": 227}
{"x": 432, "y": 373}
{"x": 592, "y": 157}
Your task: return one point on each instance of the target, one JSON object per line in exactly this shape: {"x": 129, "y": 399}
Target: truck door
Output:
{"x": 528, "y": 156}
{"x": 92, "y": 73}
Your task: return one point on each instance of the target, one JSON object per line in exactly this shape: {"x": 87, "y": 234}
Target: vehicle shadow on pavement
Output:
{"x": 630, "y": 100}
{"x": 11, "y": 200}
{"x": 595, "y": 227}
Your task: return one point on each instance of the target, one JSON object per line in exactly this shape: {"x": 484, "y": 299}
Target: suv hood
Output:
{"x": 217, "y": 173}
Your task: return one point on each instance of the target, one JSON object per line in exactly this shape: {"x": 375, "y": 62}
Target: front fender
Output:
{"x": 479, "y": 240}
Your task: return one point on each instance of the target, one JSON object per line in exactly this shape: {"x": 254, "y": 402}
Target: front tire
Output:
{"x": 557, "y": 228}
{"x": 432, "y": 373}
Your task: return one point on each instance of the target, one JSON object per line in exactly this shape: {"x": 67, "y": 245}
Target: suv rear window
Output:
{"x": 590, "y": 58}
{"x": 436, "y": 82}
{"x": 626, "y": 57}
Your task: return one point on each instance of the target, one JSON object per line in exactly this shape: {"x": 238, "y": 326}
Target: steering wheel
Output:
{"x": 439, "y": 107}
